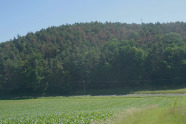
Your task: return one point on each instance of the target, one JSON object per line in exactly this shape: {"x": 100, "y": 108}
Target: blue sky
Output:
{"x": 23, "y": 16}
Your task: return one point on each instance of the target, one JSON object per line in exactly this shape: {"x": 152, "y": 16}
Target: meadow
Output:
{"x": 174, "y": 114}
{"x": 79, "y": 109}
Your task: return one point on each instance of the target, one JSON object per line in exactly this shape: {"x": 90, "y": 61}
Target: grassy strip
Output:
{"x": 166, "y": 91}
{"x": 133, "y": 90}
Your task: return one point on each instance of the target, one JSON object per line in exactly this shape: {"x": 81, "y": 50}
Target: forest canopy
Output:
{"x": 58, "y": 60}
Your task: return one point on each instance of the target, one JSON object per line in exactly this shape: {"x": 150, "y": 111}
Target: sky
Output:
{"x": 23, "y": 16}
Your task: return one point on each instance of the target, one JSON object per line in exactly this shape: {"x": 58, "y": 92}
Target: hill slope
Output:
{"x": 60, "y": 60}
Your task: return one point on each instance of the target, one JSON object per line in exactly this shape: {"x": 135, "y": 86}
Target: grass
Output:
{"x": 153, "y": 116}
{"x": 80, "y": 110}
{"x": 174, "y": 114}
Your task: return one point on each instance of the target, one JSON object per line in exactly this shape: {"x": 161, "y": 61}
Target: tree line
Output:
{"x": 57, "y": 60}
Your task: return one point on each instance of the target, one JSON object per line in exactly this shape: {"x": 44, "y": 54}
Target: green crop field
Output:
{"x": 77, "y": 110}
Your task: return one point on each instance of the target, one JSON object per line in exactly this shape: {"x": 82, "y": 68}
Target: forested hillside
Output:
{"x": 60, "y": 60}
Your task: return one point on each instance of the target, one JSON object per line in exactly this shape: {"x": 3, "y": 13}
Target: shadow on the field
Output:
{"x": 133, "y": 90}
{"x": 16, "y": 97}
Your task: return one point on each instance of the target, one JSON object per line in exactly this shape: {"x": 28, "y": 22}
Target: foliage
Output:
{"x": 56, "y": 60}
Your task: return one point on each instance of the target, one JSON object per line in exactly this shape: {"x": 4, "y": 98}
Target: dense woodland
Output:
{"x": 60, "y": 60}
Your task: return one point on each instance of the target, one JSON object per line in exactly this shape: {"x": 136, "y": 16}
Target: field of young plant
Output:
{"x": 78, "y": 110}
